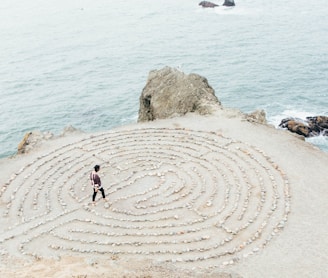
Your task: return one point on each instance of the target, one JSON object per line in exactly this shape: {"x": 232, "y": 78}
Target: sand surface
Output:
{"x": 194, "y": 196}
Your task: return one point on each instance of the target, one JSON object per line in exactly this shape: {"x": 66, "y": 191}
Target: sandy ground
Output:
{"x": 195, "y": 196}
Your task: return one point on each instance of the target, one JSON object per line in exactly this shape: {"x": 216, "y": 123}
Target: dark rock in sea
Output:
{"x": 206, "y": 4}
{"x": 229, "y": 3}
{"x": 170, "y": 93}
{"x": 312, "y": 126}
{"x": 321, "y": 121}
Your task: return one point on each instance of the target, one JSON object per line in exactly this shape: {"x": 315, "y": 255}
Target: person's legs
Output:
{"x": 102, "y": 192}
{"x": 94, "y": 195}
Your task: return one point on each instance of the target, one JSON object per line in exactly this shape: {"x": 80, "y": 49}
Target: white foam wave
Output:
{"x": 239, "y": 9}
{"x": 319, "y": 141}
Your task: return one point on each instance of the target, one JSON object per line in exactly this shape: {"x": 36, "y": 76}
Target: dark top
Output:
{"x": 96, "y": 178}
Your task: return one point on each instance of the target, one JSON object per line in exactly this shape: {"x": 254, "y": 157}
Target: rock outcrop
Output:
{"x": 170, "y": 93}
{"x": 257, "y": 116}
{"x": 229, "y": 3}
{"x": 21, "y": 148}
{"x": 206, "y": 4}
{"x": 31, "y": 139}
{"x": 312, "y": 126}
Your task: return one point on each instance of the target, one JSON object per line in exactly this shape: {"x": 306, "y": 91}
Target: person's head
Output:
{"x": 97, "y": 167}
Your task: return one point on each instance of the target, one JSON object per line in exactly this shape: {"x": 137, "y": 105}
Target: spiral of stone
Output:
{"x": 174, "y": 195}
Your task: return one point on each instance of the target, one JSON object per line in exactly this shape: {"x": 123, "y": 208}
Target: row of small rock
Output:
{"x": 206, "y": 200}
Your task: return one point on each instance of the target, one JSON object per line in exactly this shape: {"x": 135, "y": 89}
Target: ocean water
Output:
{"x": 85, "y": 62}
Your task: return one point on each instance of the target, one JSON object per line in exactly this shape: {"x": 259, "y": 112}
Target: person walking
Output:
{"x": 96, "y": 183}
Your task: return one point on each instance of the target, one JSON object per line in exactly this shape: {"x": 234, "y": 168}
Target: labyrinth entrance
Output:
{"x": 174, "y": 195}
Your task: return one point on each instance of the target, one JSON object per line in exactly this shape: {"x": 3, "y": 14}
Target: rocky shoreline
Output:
{"x": 310, "y": 127}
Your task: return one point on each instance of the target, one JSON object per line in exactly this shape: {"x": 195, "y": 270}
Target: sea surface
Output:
{"x": 85, "y": 62}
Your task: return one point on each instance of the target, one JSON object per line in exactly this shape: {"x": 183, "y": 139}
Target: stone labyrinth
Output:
{"x": 189, "y": 197}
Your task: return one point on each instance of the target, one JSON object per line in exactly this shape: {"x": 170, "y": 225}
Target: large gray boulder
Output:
{"x": 171, "y": 93}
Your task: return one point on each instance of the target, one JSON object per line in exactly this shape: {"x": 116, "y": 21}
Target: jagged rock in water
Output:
{"x": 229, "y": 3}
{"x": 319, "y": 124}
{"x": 170, "y": 93}
{"x": 207, "y": 4}
{"x": 312, "y": 126}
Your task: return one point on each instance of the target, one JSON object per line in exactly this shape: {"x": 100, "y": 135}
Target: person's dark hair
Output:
{"x": 97, "y": 167}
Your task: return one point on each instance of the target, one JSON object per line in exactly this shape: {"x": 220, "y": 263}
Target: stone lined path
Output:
{"x": 175, "y": 195}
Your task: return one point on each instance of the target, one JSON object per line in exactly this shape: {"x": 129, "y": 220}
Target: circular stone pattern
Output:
{"x": 174, "y": 195}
